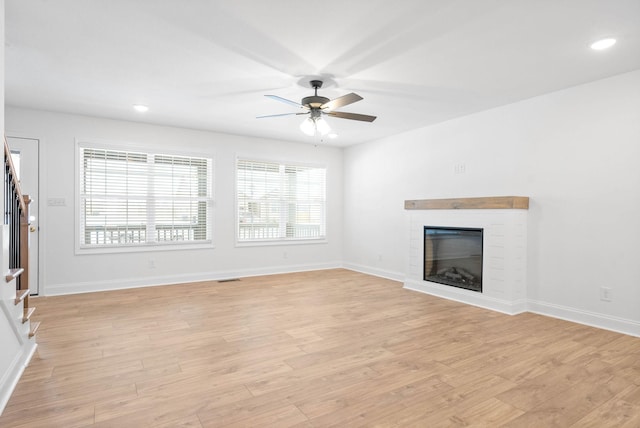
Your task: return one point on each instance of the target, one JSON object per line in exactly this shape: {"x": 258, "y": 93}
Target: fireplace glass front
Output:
{"x": 453, "y": 256}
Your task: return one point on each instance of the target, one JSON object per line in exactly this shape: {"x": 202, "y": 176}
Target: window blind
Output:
{"x": 279, "y": 201}
{"x": 133, "y": 198}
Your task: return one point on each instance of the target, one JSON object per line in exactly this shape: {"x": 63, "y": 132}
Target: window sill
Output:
{"x": 208, "y": 245}
{"x": 280, "y": 242}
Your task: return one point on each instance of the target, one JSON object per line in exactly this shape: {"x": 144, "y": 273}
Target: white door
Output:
{"x": 25, "y": 155}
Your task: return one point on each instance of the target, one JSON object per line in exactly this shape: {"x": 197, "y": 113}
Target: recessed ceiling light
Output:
{"x": 603, "y": 44}
{"x": 140, "y": 107}
{"x": 333, "y": 135}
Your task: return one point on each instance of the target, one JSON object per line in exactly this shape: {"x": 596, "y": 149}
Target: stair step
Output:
{"x": 27, "y": 314}
{"x": 13, "y": 274}
{"x": 34, "y": 328}
{"x": 21, "y": 294}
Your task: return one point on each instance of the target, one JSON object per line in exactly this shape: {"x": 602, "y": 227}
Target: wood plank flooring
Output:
{"x": 316, "y": 349}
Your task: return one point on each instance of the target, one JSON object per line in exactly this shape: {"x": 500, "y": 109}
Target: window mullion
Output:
{"x": 152, "y": 235}
{"x": 284, "y": 201}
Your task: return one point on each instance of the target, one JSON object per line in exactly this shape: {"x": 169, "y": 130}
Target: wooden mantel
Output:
{"x": 486, "y": 203}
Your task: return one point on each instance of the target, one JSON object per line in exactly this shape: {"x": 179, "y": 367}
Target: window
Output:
{"x": 133, "y": 199}
{"x": 280, "y": 201}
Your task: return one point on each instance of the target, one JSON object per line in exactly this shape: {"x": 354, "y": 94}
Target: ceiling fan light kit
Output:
{"x": 308, "y": 127}
{"x": 315, "y": 124}
{"x": 322, "y": 126}
{"x": 316, "y": 106}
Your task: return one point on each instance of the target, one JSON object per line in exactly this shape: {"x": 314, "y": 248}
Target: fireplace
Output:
{"x": 453, "y": 256}
{"x": 503, "y": 223}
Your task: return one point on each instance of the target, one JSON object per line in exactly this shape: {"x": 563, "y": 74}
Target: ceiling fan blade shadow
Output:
{"x": 281, "y": 114}
{"x": 222, "y": 24}
{"x": 404, "y": 31}
{"x": 284, "y": 100}
{"x": 231, "y": 89}
{"x": 352, "y": 116}
{"x": 242, "y": 86}
{"x": 415, "y": 92}
{"x": 342, "y": 101}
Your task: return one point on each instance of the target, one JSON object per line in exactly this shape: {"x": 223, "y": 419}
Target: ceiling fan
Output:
{"x": 316, "y": 106}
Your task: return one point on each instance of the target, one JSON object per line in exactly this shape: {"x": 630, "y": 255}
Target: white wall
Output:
{"x": 574, "y": 153}
{"x": 62, "y": 271}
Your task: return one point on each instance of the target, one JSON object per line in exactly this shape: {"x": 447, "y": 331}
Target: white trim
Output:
{"x": 25, "y": 346}
{"x": 13, "y": 313}
{"x": 152, "y": 281}
{"x": 275, "y": 159}
{"x": 14, "y": 372}
{"x": 284, "y": 241}
{"x": 137, "y": 147}
{"x": 593, "y": 319}
{"x": 143, "y": 248}
{"x": 467, "y": 296}
{"x": 382, "y": 273}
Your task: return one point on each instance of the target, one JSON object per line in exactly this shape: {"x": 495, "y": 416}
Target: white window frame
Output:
{"x": 81, "y": 248}
{"x": 322, "y": 238}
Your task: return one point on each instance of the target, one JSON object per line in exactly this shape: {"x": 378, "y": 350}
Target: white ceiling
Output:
{"x": 207, "y": 64}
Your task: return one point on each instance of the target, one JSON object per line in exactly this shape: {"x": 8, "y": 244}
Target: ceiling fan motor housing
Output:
{"x": 314, "y": 101}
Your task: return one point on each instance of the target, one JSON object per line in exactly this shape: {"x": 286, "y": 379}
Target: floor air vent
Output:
{"x": 229, "y": 280}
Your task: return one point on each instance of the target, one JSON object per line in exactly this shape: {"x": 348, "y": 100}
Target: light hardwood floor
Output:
{"x": 316, "y": 349}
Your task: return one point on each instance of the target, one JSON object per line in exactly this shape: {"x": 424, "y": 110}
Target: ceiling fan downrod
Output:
{"x": 314, "y": 101}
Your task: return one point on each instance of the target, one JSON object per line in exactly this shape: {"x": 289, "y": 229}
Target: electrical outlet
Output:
{"x": 606, "y": 294}
{"x": 152, "y": 264}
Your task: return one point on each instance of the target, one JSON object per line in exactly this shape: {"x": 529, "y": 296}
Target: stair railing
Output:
{"x": 16, "y": 215}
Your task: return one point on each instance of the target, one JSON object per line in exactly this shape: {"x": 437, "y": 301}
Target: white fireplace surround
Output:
{"x": 504, "y": 255}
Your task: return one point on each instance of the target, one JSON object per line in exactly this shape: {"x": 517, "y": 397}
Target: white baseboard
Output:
{"x": 14, "y": 372}
{"x": 151, "y": 281}
{"x": 466, "y": 296}
{"x": 387, "y": 274}
{"x": 593, "y": 319}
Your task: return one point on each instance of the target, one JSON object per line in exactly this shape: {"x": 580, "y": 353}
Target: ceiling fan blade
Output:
{"x": 281, "y": 114}
{"x": 352, "y": 116}
{"x": 341, "y": 101}
{"x": 284, "y": 100}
